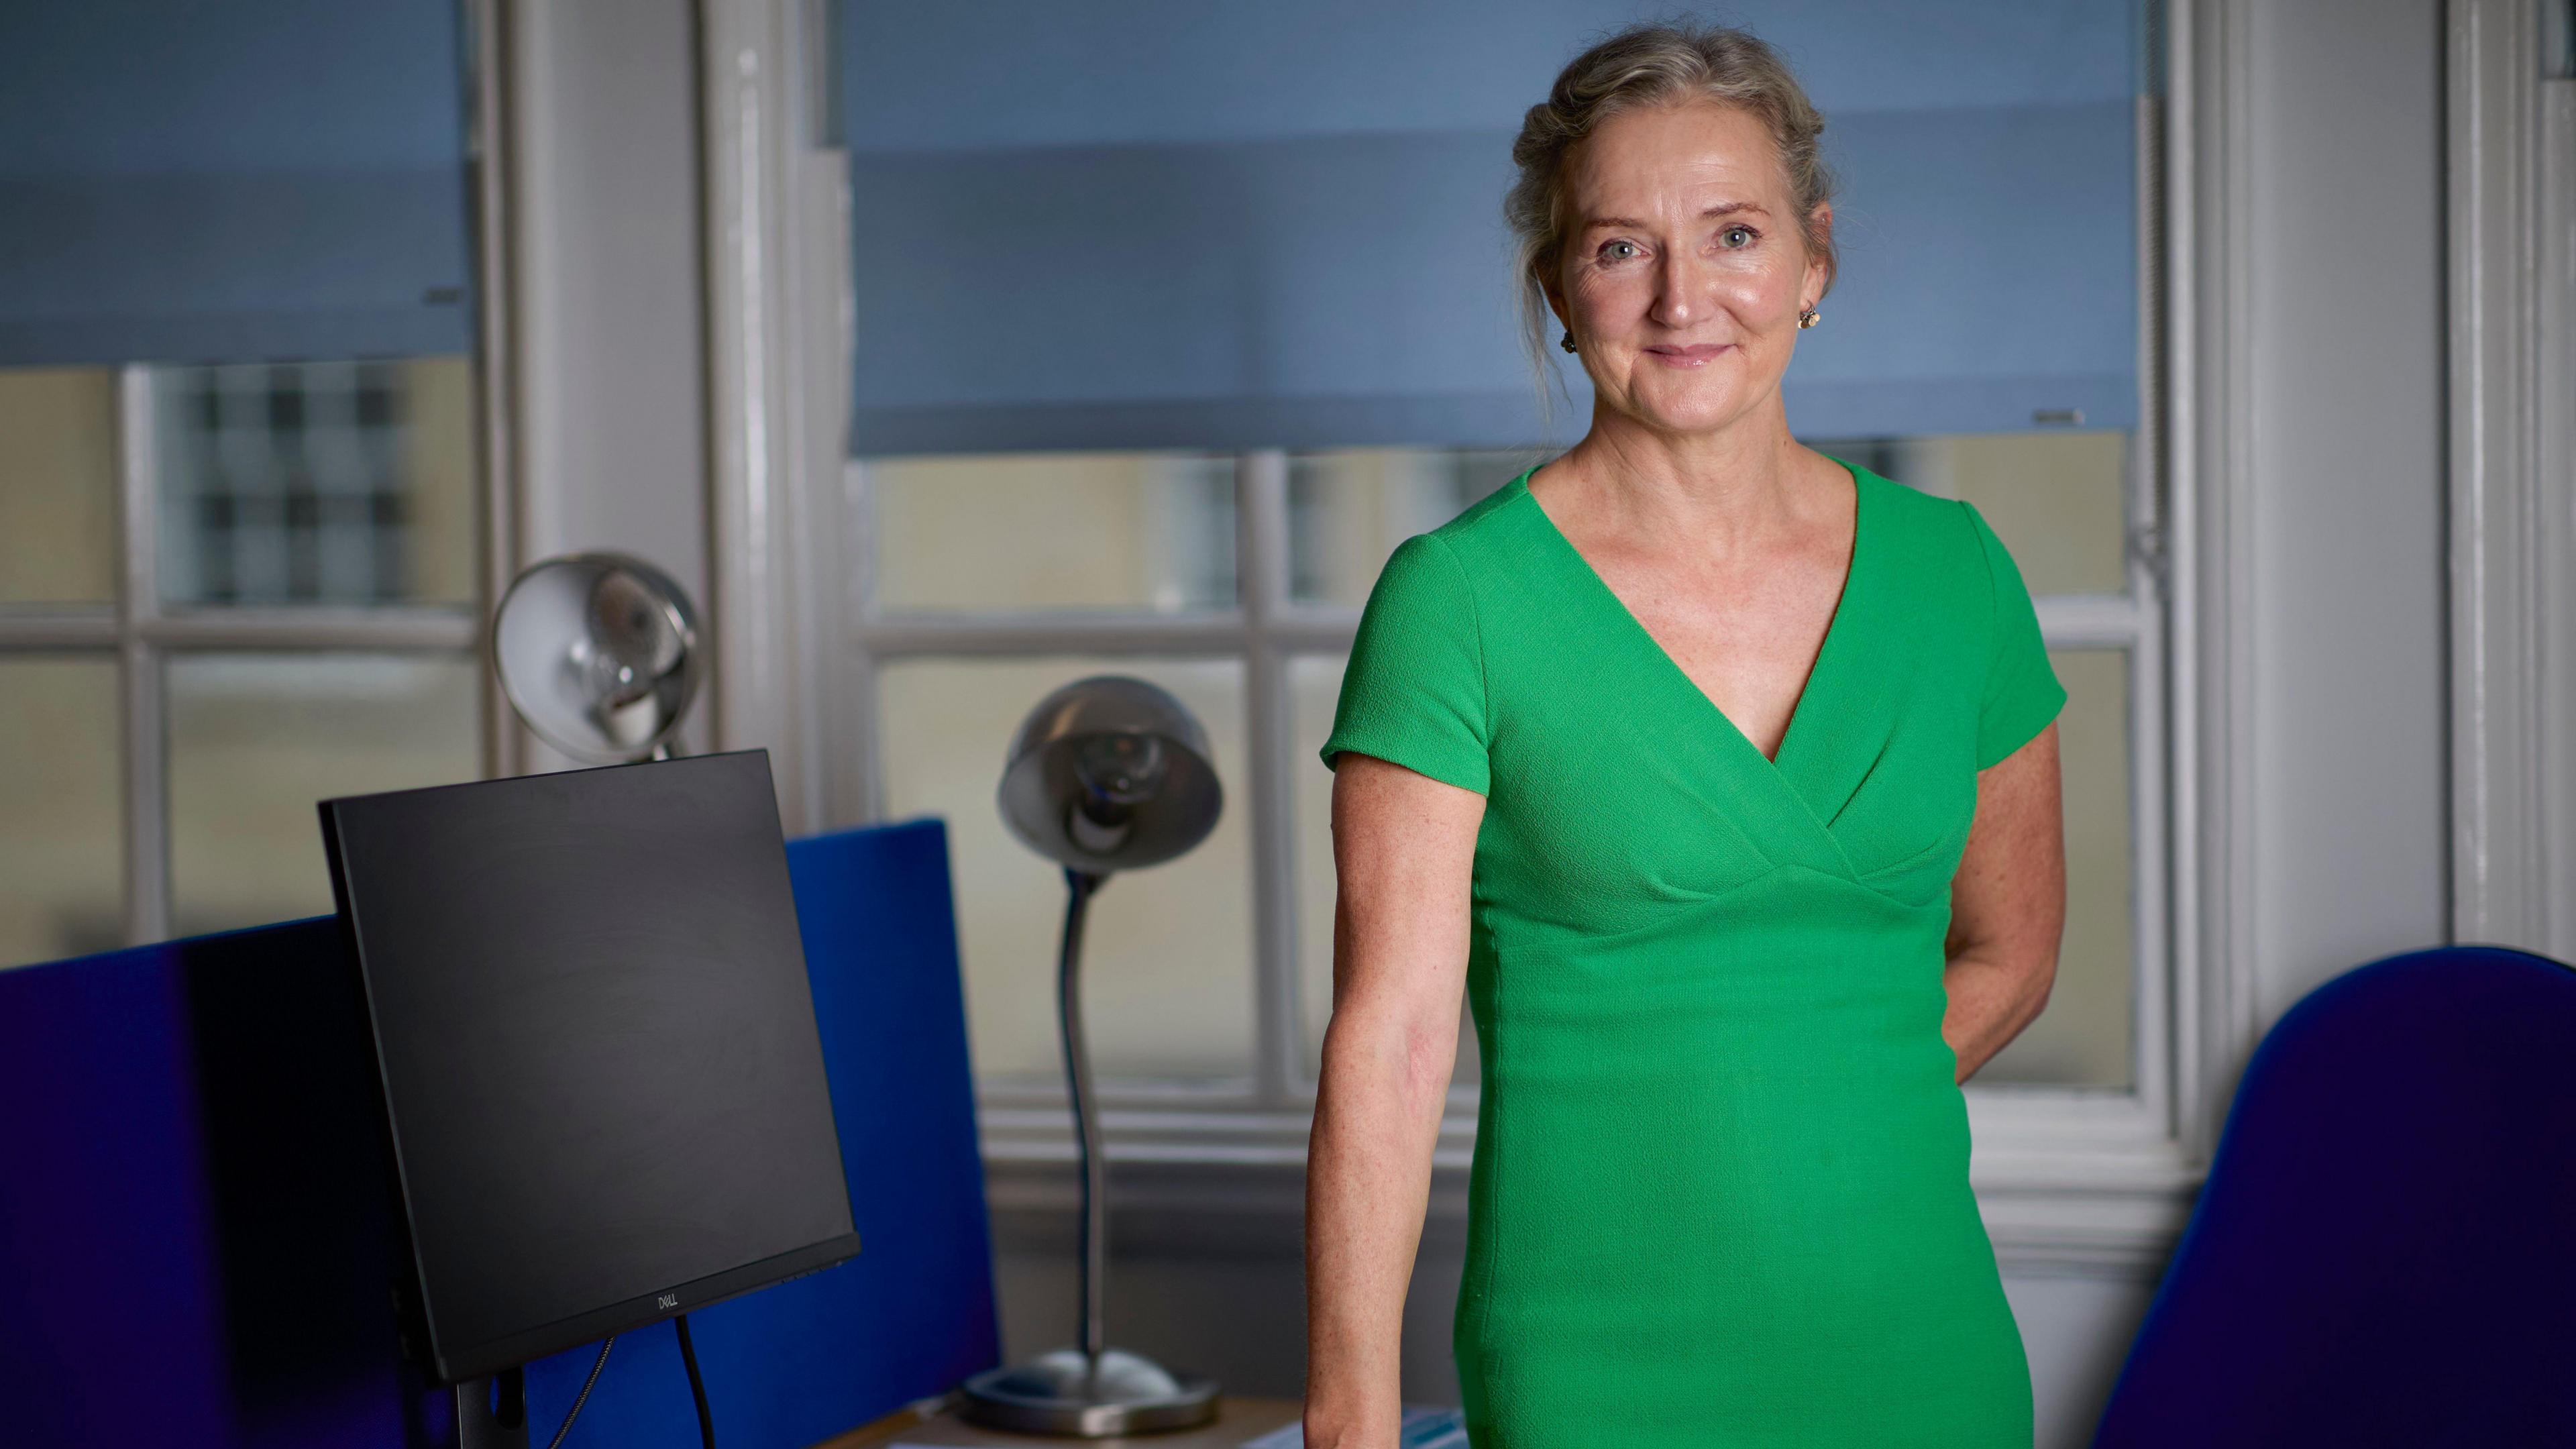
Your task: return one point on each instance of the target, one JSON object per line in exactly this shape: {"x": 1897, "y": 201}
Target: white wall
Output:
{"x": 2348, "y": 405}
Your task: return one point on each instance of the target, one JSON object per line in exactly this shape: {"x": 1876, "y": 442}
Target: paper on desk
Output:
{"x": 1423, "y": 1429}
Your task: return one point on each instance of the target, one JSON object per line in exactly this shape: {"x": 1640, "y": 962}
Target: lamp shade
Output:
{"x": 599, "y": 653}
{"x": 1110, "y": 773}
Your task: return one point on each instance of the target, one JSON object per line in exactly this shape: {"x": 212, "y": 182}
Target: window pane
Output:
{"x": 1314, "y": 687}
{"x": 1130, "y": 531}
{"x": 57, "y": 485}
{"x": 1167, "y": 951}
{"x": 60, "y": 794}
{"x": 255, "y": 740}
{"x": 2056, "y": 499}
{"x": 329, "y": 483}
{"x": 2085, "y": 1037}
{"x": 1347, "y": 510}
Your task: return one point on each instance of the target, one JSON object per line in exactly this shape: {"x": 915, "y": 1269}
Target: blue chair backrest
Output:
{"x": 2385, "y": 1249}
{"x": 194, "y": 1221}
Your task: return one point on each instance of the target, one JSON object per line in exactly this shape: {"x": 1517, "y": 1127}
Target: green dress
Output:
{"x": 1720, "y": 1188}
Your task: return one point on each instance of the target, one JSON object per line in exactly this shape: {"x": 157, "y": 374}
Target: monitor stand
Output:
{"x": 492, "y": 1413}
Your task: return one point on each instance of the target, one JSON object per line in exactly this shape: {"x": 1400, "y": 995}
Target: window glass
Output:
{"x": 2057, "y": 500}
{"x": 57, "y": 485}
{"x": 1167, "y": 953}
{"x": 256, "y": 739}
{"x": 317, "y": 483}
{"x": 237, "y": 237}
{"x": 60, "y": 808}
{"x": 2087, "y": 1036}
{"x": 1348, "y": 509}
{"x": 1151, "y": 532}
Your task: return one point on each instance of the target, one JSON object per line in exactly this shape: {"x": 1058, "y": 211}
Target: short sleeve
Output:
{"x": 1414, "y": 690}
{"x": 2021, "y": 691}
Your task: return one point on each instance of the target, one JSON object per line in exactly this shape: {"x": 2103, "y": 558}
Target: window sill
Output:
{"x": 2108, "y": 1203}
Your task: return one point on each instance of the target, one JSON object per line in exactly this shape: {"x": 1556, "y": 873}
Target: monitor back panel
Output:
{"x": 597, "y": 1047}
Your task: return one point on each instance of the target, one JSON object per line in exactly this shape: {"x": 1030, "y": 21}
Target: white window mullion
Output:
{"x": 2150, "y": 925}
{"x": 1261, "y": 553}
{"x": 2092, "y": 621}
{"x": 864, "y": 780}
{"x": 2148, "y": 557}
{"x": 294, "y": 627}
{"x": 138, "y": 605}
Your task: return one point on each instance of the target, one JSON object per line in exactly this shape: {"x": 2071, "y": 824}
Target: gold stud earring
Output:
{"x": 1809, "y": 317}
{"x": 1566, "y": 342}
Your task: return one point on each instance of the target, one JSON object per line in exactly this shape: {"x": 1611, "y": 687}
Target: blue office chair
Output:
{"x": 2385, "y": 1250}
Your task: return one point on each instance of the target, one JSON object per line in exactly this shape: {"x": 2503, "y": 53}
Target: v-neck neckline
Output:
{"x": 1827, "y": 651}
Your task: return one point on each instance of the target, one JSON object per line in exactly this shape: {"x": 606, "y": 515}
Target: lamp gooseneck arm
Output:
{"x": 1080, "y": 885}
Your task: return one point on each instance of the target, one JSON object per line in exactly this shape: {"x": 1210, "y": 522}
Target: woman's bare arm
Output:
{"x": 2007, "y": 905}
{"x": 1404, "y": 849}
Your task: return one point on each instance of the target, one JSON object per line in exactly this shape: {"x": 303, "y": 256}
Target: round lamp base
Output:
{"x": 1065, "y": 1393}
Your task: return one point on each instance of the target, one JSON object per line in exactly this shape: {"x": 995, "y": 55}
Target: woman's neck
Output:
{"x": 1740, "y": 485}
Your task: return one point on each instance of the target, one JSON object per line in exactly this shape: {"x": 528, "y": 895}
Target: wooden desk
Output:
{"x": 1236, "y": 1421}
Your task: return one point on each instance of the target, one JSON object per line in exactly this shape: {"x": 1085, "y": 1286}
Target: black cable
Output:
{"x": 584, "y": 1396}
{"x": 697, "y": 1385}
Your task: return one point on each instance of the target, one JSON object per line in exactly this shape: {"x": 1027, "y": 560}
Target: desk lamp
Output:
{"x": 599, "y": 653}
{"x": 1106, "y": 774}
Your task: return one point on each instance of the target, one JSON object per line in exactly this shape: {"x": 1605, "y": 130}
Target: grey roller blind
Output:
{"x": 184, "y": 180}
{"x": 1196, "y": 225}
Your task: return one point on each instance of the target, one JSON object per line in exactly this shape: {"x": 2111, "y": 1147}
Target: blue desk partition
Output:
{"x": 194, "y": 1222}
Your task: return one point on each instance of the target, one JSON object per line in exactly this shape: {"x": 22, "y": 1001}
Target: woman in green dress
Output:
{"x": 1720, "y": 777}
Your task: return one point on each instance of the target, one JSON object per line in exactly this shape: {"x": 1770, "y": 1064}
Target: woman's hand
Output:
{"x": 2007, "y": 905}
{"x": 1404, "y": 849}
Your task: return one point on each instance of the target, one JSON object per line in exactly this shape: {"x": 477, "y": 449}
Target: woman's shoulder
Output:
{"x": 1479, "y": 522}
{"x": 1468, "y": 549}
{"x": 1937, "y": 548}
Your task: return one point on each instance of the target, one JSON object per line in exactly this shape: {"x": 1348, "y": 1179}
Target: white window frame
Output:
{"x": 143, "y": 635}
{"x": 2068, "y": 1180}
{"x": 2511, "y": 134}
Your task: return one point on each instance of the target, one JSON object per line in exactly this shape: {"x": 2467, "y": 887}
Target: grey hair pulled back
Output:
{"x": 1664, "y": 63}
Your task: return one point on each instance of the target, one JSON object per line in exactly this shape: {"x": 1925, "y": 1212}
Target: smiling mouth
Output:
{"x": 1691, "y": 356}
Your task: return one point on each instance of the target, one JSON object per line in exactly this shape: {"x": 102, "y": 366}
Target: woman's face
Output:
{"x": 1683, "y": 270}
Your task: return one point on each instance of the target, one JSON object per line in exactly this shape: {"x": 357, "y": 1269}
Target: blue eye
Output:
{"x": 1732, "y": 230}
{"x": 1608, "y": 248}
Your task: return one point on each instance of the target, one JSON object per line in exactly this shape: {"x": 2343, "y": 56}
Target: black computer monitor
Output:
{"x": 601, "y": 1076}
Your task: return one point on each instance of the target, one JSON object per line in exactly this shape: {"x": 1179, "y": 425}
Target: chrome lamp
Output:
{"x": 599, "y": 653}
{"x": 1106, "y": 774}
